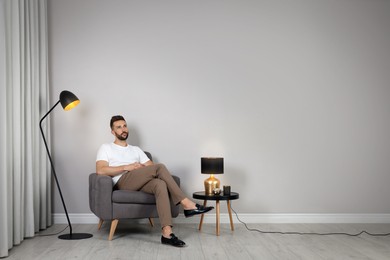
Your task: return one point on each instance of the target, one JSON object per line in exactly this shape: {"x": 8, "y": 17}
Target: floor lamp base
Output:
{"x": 75, "y": 236}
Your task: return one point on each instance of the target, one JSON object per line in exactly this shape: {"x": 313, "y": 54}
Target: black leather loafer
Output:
{"x": 199, "y": 210}
{"x": 173, "y": 241}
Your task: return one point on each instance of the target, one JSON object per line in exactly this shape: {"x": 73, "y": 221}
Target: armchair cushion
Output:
{"x": 132, "y": 197}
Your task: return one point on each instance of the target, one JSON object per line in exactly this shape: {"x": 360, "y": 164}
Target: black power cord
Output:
{"x": 278, "y": 232}
{"x": 308, "y": 233}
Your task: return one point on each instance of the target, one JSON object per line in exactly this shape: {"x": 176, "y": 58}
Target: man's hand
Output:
{"x": 133, "y": 166}
{"x": 103, "y": 168}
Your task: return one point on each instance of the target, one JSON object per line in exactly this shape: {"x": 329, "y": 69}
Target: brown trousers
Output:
{"x": 157, "y": 180}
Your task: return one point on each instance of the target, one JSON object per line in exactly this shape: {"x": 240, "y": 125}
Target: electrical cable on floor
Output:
{"x": 308, "y": 233}
{"x": 48, "y": 235}
{"x": 276, "y": 232}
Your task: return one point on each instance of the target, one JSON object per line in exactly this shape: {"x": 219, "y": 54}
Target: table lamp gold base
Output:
{"x": 210, "y": 184}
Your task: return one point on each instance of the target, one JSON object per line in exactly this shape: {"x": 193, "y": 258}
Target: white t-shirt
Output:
{"x": 117, "y": 155}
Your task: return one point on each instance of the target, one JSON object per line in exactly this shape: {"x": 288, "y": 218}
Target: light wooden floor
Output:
{"x": 140, "y": 241}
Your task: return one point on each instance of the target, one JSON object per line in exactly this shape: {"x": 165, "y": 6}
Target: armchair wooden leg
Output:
{"x": 151, "y": 222}
{"x": 114, "y": 223}
{"x": 100, "y": 224}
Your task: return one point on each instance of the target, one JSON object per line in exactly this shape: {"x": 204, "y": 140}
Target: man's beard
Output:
{"x": 122, "y": 137}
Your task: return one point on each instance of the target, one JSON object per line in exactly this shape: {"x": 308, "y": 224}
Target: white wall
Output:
{"x": 293, "y": 94}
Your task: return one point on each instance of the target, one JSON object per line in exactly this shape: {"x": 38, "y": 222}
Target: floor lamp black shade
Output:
{"x": 68, "y": 101}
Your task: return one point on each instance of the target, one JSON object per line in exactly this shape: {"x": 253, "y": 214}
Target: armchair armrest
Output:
{"x": 100, "y": 195}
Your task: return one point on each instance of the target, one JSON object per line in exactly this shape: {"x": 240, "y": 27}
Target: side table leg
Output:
{"x": 202, "y": 216}
{"x": 217, "y": 206}
{"x": 230, "y": 215}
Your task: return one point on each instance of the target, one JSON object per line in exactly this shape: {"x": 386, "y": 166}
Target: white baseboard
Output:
{"x": 248, "y": 218}
{"x": 79, "y": 218}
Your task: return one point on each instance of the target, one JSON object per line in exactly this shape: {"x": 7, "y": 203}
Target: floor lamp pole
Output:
{"x": 71, "y": 235}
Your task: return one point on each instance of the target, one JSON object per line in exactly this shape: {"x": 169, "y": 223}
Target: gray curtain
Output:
{"x": 24, "y": 97}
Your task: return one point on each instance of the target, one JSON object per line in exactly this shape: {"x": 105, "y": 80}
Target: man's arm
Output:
{"x": 103, "y": 168}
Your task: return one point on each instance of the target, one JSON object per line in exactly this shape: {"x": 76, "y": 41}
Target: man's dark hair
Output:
{"x": 116, "y": 118}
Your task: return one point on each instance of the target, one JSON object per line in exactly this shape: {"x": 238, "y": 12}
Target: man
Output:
{"x": 131, "y": 169}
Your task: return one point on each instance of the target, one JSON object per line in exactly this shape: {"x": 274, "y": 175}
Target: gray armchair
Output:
{"x": 109, "y": 204}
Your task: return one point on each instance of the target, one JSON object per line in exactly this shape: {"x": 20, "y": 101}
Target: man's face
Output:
{"x": 119, "y": 129}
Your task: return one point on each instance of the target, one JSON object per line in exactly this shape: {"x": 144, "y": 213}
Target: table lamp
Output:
{"x": 68, "y": 101}
{"x": 211, "y": 165}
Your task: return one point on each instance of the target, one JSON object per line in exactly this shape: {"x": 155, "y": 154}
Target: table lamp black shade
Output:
{"x": 211, "y": 165}
{"x": 68, "y": 101}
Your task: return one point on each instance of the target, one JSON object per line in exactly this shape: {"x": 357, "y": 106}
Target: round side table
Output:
{"x": 201, "y": 195}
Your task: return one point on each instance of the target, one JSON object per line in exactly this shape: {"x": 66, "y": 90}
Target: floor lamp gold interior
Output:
{"x": 68, "y": 101}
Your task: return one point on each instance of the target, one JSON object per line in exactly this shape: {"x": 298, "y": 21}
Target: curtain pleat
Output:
{"x": 24, "y": 98}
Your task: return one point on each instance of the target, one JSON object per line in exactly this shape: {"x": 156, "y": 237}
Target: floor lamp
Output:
{"x": 68, "y": 101}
